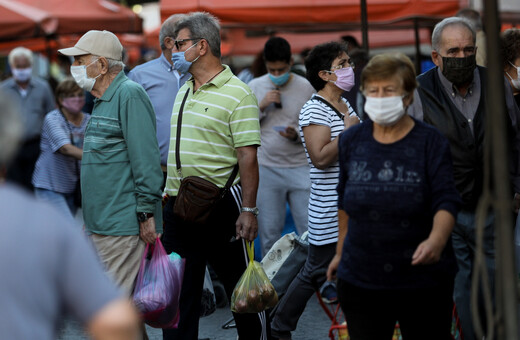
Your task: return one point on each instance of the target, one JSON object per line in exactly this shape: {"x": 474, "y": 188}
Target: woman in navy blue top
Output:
{"x": 397, "y": 206}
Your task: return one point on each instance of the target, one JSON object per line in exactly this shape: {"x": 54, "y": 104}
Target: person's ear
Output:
{"x": 203, "y": 47}
{"x": 436, "y": 58}
{"x": 169, "y": 43}
{"x": 103, "y": 62}
{"x": 324, "y": 75}
{"x": 408, "y": 99}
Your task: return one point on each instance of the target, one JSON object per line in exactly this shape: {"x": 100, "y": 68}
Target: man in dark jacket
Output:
{"x": 452, "y": 98}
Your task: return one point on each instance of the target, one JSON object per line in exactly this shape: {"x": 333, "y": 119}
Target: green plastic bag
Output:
{"x": 253, "y": 292}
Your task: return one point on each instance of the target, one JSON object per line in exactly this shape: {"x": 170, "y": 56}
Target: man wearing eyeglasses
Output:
{"x": 219, "y": 129}
{"x": 452, "y": 98}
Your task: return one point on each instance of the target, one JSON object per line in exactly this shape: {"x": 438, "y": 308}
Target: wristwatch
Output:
{"x": 253, "y": 211}
{"x": 142, "y": 216}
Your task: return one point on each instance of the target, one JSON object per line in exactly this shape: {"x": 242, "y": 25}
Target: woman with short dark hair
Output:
{"x": 322, "y": 119}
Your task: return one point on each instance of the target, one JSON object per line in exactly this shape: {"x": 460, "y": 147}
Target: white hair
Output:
{"x": 113, "y": 65}
{"x": 451, "y": 21}
{"x": 11, "y": 129}
{"x": 20, "y": 52}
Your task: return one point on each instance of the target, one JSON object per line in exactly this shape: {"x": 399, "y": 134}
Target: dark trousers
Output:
{"x": 211, "y": 243}
{"x": 424, "y": 313}
{"x": 293, "y": 303}
{"x": 21, "y": 170}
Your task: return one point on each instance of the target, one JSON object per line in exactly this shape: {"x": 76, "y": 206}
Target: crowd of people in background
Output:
{"x": 383, "y": 166}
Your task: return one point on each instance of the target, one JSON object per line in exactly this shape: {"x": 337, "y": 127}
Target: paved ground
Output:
{"x": 314, "y": 325}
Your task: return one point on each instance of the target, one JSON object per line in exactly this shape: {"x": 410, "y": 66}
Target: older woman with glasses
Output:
{"x": 322, "y": 119}
{"x": 397, "y": 206}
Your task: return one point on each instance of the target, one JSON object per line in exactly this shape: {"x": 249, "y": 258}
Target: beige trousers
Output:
{"x": 121, "y": 256}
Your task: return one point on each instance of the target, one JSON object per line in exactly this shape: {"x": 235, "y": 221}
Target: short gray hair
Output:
{"x": 168, "y": 28}
{"x": 113, "y": 65}
{"x": 202, "y": 25}
{"x": 20, "y": 52}
{"x": 452, "y": 21}
{"x": 11, "y": 129}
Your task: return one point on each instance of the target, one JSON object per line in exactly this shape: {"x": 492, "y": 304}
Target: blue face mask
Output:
{"x": 179, "y": 60}
{"x": 280, "y": 80}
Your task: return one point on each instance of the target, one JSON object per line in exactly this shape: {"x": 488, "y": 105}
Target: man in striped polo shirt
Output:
{"x": 220, "y": 128}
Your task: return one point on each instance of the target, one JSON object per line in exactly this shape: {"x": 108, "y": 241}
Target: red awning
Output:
{"x": 318, "y": 13}
{"x": 305, "y": 23}
{"x": 21, "y": 21}
{"x": 80, "y": 16}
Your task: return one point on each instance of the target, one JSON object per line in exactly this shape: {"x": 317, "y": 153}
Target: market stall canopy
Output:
{"x": 248, "y": 24}
{"x": 315, "y": 15}
{"x": 80, "y": 16}
{"x": 21, "y": 21}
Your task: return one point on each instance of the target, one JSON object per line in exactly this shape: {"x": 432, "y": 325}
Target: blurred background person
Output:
{"x": 322, "y": 119}
{"x": 57, "y": 172}
{"x": 51, "y": 271}
{"x": 474, "y": 18}
{"x": 510, "y": 46}
{"x": 162, "y": 81}
{"x": 510, "y": 51}
{"x": 397, "y": 206}
{"x": 359, "y": 57}
{"x": 283, "y": 168}
{"x": 256, "y": 69}
{"x": 35, "y": 99}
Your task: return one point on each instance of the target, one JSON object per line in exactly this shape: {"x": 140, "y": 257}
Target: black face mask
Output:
{"x": 459, "y": 70}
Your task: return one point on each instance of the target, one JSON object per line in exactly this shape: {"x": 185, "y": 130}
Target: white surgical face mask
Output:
{"x": 80, "y": 76}
{"x": 384, "y": 111}
{"x": 22, "y": 74}
{"x": 515, "y": 82}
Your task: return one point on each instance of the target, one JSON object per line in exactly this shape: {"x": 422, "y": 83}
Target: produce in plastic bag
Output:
{"x": 158, "y": 287}
{"x": 253, "y": 292}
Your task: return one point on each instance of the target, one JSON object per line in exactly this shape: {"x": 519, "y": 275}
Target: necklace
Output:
{"x": 219, "y": 72}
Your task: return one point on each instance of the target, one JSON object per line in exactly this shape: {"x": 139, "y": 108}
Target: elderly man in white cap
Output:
{"x": 121, "y": 175}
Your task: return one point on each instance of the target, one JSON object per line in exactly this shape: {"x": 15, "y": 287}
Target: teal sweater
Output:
{"x": 120, "y": 171}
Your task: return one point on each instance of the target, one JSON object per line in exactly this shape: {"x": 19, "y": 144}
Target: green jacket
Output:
{"x": 121, "y": 167}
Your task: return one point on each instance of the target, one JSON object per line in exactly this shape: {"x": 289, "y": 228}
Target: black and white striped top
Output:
{"x": 323, "y": 201}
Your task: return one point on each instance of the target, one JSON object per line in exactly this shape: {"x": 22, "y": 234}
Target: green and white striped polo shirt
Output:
{"x": 219, "y": 117}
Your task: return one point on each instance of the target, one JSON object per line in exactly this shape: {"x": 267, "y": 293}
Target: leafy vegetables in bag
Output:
{"x": 253, "y": 292}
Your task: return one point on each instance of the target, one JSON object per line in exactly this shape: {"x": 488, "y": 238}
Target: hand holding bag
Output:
{"x": 158, "y": 287}
{"x": 254, "y": 292}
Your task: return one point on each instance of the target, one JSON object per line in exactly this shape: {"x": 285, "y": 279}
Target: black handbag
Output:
{"x": 196, "y": 197}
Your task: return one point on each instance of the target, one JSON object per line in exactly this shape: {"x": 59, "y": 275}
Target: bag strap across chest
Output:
{"x": 178, "y": 143}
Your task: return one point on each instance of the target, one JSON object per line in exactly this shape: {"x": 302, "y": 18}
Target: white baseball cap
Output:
{"x": 100, "y": 43}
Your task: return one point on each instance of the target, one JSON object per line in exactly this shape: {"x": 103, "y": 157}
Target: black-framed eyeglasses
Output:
{"x": 180, "y": 43}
